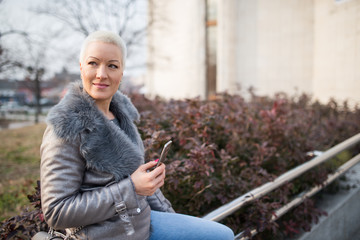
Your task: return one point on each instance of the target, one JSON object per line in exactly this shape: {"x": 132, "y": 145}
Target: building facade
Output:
{"x": 297, "y": 46}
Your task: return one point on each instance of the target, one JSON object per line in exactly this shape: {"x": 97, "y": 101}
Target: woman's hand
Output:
{"x": 146, "y": 183}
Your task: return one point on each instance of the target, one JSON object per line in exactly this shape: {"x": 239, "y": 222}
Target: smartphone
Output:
{"x": 163, "y": 154}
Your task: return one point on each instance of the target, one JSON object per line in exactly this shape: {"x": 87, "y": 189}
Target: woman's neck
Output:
{"x": 104, "y": 107}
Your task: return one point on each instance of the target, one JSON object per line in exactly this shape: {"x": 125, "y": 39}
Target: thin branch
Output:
{"x": 9, "y": 32}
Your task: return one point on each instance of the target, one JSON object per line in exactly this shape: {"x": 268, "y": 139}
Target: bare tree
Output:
{"x": 126, "y": 17}
{"x": 32, "y": 61}
{"x": 36, "y": 65}
{"x": 29, "y": 54}
{"x": 33, "y": 68}
{"x": 7, "y": 61}
{"x": 35, "y": 76}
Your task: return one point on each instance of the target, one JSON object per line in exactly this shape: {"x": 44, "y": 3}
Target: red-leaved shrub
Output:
{"x": 225, "y": 147}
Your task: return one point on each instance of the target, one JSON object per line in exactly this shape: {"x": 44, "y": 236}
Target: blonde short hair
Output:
{"x": 106, "y": 37}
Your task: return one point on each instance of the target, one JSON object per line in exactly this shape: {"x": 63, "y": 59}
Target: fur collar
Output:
{"x": 104, "y": 146}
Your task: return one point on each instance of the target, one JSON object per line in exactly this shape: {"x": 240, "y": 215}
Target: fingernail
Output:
{"x": 156, "y": 160}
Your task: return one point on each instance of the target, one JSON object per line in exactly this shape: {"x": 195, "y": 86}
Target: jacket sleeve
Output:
{"x": 64, "y": 205}
{"x": 158, "y": 202}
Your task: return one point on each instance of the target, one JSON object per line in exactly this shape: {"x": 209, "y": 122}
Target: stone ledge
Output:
{"x": 343, "y": 209}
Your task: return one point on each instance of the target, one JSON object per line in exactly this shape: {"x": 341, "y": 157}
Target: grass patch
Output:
{"x": 19, "y": 167}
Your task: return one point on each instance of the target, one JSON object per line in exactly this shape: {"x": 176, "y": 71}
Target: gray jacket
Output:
{"x": 86, "y": 161}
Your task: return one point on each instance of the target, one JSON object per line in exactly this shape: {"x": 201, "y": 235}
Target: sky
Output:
{"x": 17, "y": 14}
{"x": 59, "y": 45}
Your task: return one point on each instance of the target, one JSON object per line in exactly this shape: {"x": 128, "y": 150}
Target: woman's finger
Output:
{"x": 158, "y": 171}
{"x": 148, "y": 165}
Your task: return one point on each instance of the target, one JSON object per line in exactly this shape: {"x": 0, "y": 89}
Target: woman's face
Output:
{"x": 101, "y": 70}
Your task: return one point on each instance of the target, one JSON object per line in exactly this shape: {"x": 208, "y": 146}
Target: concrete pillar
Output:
{"x": 226, "y": 41}
{"x": 176, "y": 43}
{"x": 337, "y": 50}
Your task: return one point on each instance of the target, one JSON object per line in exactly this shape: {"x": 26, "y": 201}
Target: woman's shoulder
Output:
{"x": 73, "y": 114}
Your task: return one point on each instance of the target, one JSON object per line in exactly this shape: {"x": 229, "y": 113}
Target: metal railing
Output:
{"x": 231, "y": 207}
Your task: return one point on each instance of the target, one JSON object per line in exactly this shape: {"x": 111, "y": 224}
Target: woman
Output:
{"x": 94, "y": 181}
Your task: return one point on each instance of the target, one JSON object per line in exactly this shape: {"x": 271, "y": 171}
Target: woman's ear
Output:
{"x": 81, "y": 73}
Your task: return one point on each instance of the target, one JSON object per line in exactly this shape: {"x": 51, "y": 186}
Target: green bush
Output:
{"x": 226, "y": 147}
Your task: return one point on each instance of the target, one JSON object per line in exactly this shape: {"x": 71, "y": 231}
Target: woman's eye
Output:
{"x": 113, "y": 66}
{"x": 92, "y": 63}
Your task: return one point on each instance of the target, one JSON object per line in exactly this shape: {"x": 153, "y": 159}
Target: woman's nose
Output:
{"x": 101, "y": 72}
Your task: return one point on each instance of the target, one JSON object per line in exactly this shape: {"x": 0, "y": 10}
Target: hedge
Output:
{"x": 227, "y": 146}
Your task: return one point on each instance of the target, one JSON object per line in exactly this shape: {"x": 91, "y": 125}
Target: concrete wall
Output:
{"x": 284, "y": 46}
{"x": 176, "y": 49}
{"x": 337, "y": 50}
{"x": 237, "y": 45}
{"x": 296, "y": 46}
{"x": 267, "y": 45}
{"x": 343, "y": 209}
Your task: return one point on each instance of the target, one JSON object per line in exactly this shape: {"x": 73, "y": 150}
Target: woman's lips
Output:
{"x": 100, "y": 85}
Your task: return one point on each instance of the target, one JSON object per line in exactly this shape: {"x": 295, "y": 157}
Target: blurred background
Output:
{"x": 182, "y": 49}
{"x": 306, "y": 53}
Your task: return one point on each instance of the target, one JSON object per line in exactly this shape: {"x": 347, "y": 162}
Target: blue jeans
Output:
{"x": 173, "y": 226}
